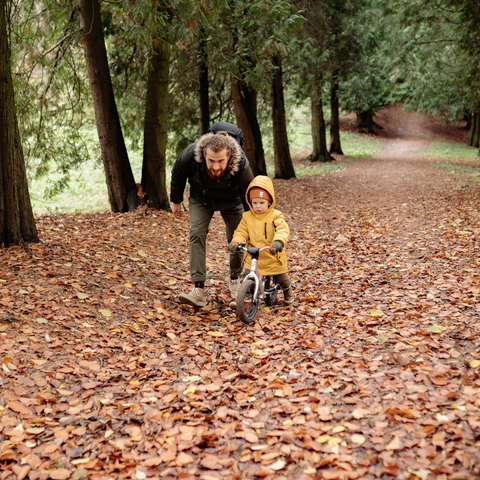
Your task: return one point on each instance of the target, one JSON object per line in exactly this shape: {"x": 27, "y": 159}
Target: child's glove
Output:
{"x": 275, "y": 247}
{"x": 233, "y": 247}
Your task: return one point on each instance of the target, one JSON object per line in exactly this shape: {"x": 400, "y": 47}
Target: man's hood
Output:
{"x": 264, "y": 182}
{"x": 234, "y": 162}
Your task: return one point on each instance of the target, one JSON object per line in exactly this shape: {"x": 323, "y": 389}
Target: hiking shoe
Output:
{"x": 234, "y": 285}
{"x": 196, "y": 298}
{"x": 288, "y": 295}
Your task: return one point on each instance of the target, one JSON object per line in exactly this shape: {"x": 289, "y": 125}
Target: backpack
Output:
{"x": 231, "y": 129}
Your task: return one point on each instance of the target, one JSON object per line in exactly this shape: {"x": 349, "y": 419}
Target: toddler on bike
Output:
{"x": 263, "y": 226}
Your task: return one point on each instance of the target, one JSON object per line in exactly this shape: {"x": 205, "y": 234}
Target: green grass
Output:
{"x": 458, "y": 168}
{"x": 459, "y": 151}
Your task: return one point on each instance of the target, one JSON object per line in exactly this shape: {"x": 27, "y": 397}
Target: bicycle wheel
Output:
{"x": 270, "y": 298}
{"x": 246, "y": 306}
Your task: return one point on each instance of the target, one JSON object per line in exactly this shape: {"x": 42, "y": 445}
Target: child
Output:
{"x": 262, "y": 226}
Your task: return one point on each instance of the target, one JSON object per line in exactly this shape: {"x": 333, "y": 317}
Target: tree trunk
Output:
{"x": 475, "y": 131}
{"x": 203, "y": 80}
{"x": 365, "y": 121}
{"x": 122, "y": 190}
{"x": 319, "y": 136}
{"x": 16, "y": 216}
{"x": 281, "y": 150}
{"x": 335, "y": 146}
{"x": 155, "y": 130}
{"x": 245, "y": 106}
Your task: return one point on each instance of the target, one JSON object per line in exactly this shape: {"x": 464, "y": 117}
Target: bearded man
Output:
{"x": 218, "y": 173}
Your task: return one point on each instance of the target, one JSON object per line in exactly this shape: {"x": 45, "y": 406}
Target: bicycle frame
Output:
{"x": 255, "y": 275}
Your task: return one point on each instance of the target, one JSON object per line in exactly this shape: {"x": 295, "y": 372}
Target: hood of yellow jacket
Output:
{"x": 261, "y": 181}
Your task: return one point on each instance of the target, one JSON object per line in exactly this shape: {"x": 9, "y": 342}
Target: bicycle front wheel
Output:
{"x": 247, "y": 306}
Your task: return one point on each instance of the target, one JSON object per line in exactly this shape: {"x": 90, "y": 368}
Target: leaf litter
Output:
{"x": 373, "y": 372}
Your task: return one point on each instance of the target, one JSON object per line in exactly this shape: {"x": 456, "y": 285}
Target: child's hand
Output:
{"x": 276, "y": 247}
{"x": 233, "y": 247}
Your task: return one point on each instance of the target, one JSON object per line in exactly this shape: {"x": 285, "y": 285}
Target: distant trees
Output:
{"x": 437, "y": 58}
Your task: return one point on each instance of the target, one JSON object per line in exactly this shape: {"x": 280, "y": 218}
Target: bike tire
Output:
{"x": 270, "y": 298}
{"x": 246, "y": 308}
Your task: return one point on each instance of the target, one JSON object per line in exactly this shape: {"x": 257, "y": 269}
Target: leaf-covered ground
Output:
{"x": 372, "y": 373}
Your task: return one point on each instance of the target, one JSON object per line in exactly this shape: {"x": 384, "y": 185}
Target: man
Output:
{"x": 219, "y": 174}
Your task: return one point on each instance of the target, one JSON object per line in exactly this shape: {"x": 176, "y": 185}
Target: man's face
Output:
{"x": 216, "y": 162}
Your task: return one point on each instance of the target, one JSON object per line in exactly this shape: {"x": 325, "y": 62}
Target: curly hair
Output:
{"x": 218, "y": 142}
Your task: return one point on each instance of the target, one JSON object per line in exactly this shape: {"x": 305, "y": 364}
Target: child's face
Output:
{"x": 260, "y": 205}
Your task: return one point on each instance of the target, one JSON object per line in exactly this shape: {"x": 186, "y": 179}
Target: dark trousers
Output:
{"x": 200, "y": 217}
{"x": 283, "y": 279}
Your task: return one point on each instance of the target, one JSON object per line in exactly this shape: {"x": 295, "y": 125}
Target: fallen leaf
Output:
{"x": 395, "y": 444}
{"x": 184, "y": 459}
{"x": 59, "y": 474}
{"x": 357, "y": 439}
{"x": 278, "y": 465}
{"x": 216, "y": 334}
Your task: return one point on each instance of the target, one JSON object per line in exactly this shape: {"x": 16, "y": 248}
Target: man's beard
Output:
{"x": 215, "y": 177}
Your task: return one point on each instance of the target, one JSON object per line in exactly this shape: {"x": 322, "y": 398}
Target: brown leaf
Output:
{"x": 184, "y": 459}
{"x": 395, "y": 444}
{"x": 20, "y": 472}
{"x": 60, "y": 474}
{"x": 211, "y": 462}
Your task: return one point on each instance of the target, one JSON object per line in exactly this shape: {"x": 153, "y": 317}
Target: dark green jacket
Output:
{"x": 219, "y": 194}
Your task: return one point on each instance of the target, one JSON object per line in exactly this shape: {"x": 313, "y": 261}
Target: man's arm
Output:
{"x": 180, "y": 172}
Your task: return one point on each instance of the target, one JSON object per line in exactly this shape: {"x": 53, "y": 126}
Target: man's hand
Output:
{"x": 177, "y": 210}
{"x": 233, "y": 247}
{"x": 275, "y": 247}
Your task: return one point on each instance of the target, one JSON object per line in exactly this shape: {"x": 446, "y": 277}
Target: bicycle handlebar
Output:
{"x": 255, "y": 250}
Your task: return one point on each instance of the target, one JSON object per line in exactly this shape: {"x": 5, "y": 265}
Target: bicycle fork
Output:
{"x": 254, "y": 274}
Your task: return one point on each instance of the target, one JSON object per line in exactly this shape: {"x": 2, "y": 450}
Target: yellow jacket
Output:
{"x": 260, "y": 230}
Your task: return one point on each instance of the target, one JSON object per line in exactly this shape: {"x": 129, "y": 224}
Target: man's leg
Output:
{"x": 200, "y": 217}
{"x": 232, "y": 218}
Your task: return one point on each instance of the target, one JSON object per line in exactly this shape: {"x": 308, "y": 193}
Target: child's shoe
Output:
{"x": 288, "y": 296}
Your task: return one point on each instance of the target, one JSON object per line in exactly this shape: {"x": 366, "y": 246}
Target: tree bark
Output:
{"x": 155, "y": 129}
{"x": 319, "y": 135}
{"x": 475, "y": 131}
{"x": 365, "y": 121}
{"x": 281, "y": 150}
{"x": 17, "y": 222}
{"x": 245, "y": 107}
{"x": 122, "y": 190}
{"x": 204, "y": 85}
{"x": 335, "y": 146}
